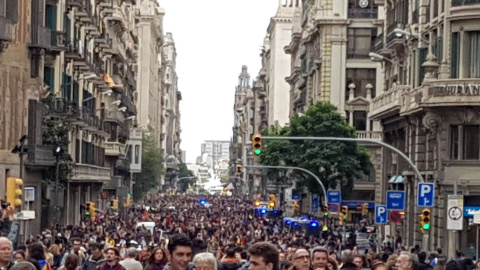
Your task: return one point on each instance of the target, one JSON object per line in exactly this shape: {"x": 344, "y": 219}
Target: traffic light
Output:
{"x": 257, "y": 144}
{"x": 425, "y": 220}
{"x": 273, "y": 201}
{"x": 128, "y": 200}
{"x": 114, "y": 204}
{"x": 14, "y": 191}
{"x": 257, "y": 203}
{"x": 87, "y": 211}
{"x": 238, "y": 169}
{"x": 344, "y": 213}
{"x": 91, "y": 210}
{"x": 325, "y": 210}
{"x": 365, "y": 209}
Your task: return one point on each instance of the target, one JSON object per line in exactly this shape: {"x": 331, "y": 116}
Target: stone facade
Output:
{"x": 77, "y": 62}
{"x": 429, "y": 109}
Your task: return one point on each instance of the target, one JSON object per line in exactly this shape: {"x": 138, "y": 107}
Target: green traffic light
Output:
{"x": 426, "y": 226}
{"x": 345, "y": 217}
{"x": 87, "y": 213}
{"x": 257, "y": 152}
{"x": 325, "y": 213}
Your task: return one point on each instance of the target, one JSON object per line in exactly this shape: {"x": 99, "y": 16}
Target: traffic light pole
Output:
{"x": 415, "y": 169}
{"x": 293, "y": 168}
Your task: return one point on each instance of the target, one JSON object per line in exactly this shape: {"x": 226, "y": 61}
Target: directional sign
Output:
{"x": 381, "y": 214}
{"x": 334, "y": 196}
{"x": 296, "y": 196}
{"x": 425, "y": 194}
{"x": 455, "y": 212}
{"x": 395, "y": 200}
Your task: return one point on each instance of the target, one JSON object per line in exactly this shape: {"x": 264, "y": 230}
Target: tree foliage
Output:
{"x": 183, "y": 172}
{"x": 55, "y": 132}
{"x": 152, "y": 167}
{"x": 334, "y": 162}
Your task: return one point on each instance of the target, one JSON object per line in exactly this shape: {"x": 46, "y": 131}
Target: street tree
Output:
{"x": 152, "y": 167}
{"x": 334, "y": 162}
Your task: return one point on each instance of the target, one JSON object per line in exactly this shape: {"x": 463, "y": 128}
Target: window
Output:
{"x": 455, "y": 56}
{"x": 473, "y": 65}
{"x": 49, "y": 77}
{"x": 464, "y": 142}
{"x": 361, "y": 77}
{"x": 362, "y": 9}
{"x": 422, "y": 57}
{"x": 51, "y": 17}
{"x": 360, "y": 42}
{"x": 9, "y": 9}
{"x": 137, "y": 154}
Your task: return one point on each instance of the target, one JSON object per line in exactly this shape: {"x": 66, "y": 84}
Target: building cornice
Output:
{"x": 293, "y": 45}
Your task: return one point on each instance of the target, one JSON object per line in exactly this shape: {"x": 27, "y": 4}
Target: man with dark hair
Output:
{"x": 96, "y": 259}
{"x": 179, "y": 253}
{"x": 319, "y": 257}
{"x": 263, "y": 256}
{"x": 230, "y": 262}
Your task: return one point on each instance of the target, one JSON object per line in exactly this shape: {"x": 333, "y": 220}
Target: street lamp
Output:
{"x": 21, "y": 149}
{"x": 400, "y": 33}
{"x": 375, "y": 57}
{"x": 57, "y": 153}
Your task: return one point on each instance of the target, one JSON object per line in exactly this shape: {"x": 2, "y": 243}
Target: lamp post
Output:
{"x": 57, "y": 152}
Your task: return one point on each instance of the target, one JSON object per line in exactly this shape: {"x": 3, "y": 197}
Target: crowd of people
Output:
{"x": 185, "y": 232}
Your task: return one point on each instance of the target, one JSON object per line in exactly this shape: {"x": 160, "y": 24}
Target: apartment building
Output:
{"x": 429, "y": 110}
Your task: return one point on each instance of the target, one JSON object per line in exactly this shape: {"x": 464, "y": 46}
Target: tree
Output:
{"x": 152, "y": 167}
{"x": 334, "y": 162}
{"x": 183, "y": 172}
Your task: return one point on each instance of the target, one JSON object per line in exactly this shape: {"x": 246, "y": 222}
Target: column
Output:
{"x": 368, "y": 122}
{"x": 350, "y": 118}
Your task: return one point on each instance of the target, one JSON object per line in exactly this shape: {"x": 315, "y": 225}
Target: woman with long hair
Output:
{"x": 36, "y": 252}
{"x": 157, "y": 260}
{"x": 71, "y": 263}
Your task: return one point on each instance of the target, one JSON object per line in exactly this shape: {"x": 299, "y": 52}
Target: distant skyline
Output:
{"x": 211, "y": 48}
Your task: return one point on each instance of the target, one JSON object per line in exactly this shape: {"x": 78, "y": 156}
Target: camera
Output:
{"x": 5, "y": 205}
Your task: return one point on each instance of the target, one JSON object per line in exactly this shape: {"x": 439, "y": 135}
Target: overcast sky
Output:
{"x": 214, "y": 38}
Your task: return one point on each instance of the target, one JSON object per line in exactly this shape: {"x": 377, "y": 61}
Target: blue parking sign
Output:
{"x": 425, "y": 194}
{"x": 381, "y": 214}
{"x": 396, "y": 200}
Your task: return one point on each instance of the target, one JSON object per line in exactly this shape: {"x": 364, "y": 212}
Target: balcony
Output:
{"x": 392, "y": 40}
{"x": 378, "y": 43}
{"x": 114, "y": 149}
{"x": 74, "y": 4}
{"x": 103, "y": 41}
{"x": 443, "y": 93}
{"x": 6, "y": 31}
{"x": 388, "y": 103}
{"x": 113, "y": 115}
{"x": 84, "y": 13}
{"x": 373, "y": 135}
{"x": 40, "y": 156}
{"x": 41, "y": 38}
{"x": 136, "y": 134}
{"x": 90, "y": 173}
{"x": 363, "y": 13}
{"x": 457, "y": 3}
{"x": 57, "y": 40}
{"x": 73, "y": 51}
{"x": 118, "y": 16}
{"x": 122, "y": 164}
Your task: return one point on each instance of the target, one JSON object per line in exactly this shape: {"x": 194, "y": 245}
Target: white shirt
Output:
{"x": 131, "y": 264}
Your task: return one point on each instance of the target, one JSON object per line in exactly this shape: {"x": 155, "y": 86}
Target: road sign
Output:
{"x": 395, "y": 216}
{"x": 425, "y": 194}
{"x": 381, "y": 214}
{"x": 395, "y": 200}
{"x": 334, "y": 207}
{"x": 455, "y": 213}
{"x": 296, "y": 196}
{"x": 334, "y": 196}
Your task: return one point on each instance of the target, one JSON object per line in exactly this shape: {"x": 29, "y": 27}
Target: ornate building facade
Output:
{"x": 429, "y": 109}
{"x": 75, "y": 68}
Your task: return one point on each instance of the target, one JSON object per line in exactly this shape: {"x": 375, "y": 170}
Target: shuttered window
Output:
{"x": 455, "y": 56}
{"x": 422, "y": 57}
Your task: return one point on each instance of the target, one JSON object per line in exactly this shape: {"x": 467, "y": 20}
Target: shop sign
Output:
{"x": 470, "y": 211}
{"x": 455, "y": 89}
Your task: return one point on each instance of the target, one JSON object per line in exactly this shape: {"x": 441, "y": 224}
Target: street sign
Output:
{"x": 296, "y": 196}
{"x": 425, "y": 194}
{"x": 334, "y": 196}
{"x": 334, "y": 207}
{"x": 395, "y": 200}
{"x": 315, "y": 202}
{"x": 394, "y": 216}
{"x": 455, "y": 213}
{"x": 381, "y": 214}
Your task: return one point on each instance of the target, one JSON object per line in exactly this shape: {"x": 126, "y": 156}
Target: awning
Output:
{"x": 396, "y": 179}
